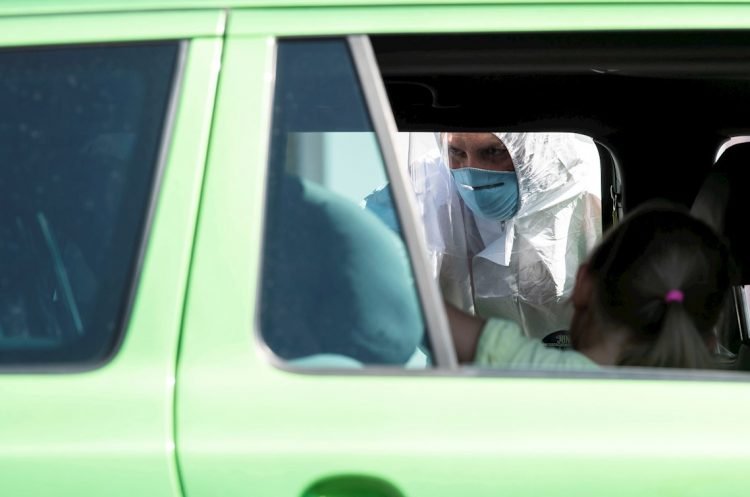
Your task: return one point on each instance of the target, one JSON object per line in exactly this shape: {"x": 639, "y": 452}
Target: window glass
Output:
{"x": 338, "y": 289}
{"x": 80, "y": 131}
{"x": 347, "y": 163}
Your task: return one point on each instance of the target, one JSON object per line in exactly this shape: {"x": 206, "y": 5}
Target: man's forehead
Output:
{"x": 472, "y": 138}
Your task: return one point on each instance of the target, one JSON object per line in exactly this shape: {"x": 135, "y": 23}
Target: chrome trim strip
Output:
{"x": 381, "y": 114}
{"x": 605, "y": 373}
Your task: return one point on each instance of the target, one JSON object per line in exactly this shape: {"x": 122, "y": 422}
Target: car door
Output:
{"x": 104, "y": 132}
{"x": 250, "y": 422}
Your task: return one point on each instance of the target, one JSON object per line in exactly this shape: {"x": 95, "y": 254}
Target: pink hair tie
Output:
{"x": 674, "y": 296}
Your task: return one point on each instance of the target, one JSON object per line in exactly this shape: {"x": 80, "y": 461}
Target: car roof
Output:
{"x": 26, "y": 7}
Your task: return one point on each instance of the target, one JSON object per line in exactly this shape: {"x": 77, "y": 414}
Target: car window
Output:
{"x": 337, "y": 284}
{"x": 80, "y": 133}
{"x": 509, "y": 202}
{"x": 324, "y": 149}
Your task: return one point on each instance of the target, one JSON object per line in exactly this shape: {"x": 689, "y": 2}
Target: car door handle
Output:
{"x": 352, "y": 486}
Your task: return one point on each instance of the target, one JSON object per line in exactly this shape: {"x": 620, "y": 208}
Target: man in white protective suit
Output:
{"x": 508, "y": 218}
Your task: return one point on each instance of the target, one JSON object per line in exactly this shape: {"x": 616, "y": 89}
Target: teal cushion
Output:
{"x": 325, "y": 361}
{"x": 336, "y": 280}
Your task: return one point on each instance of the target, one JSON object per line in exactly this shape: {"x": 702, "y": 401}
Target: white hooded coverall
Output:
{"x": 523, "y": 268}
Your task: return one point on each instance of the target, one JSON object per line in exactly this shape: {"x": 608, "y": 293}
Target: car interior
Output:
{"x": 658, "y": 104}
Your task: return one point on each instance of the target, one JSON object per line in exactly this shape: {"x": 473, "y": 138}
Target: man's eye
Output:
{"x": 456, "y": 152}
{"x": 496, "y": 151}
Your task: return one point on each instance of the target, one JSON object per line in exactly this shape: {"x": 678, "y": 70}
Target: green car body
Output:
{"x": 191, "y": 404}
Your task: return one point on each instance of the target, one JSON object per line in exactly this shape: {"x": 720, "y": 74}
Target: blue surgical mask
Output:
{"x": 489, "y": 194}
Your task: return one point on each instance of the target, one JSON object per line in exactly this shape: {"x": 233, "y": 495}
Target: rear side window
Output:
{"x": 80, "y": 134}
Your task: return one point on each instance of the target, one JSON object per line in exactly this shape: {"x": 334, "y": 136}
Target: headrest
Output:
{"x": 727, "y": 188}
{"x": 336, "y": 280}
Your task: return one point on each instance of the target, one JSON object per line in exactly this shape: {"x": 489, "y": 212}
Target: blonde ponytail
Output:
{"x": 663, "y": 277}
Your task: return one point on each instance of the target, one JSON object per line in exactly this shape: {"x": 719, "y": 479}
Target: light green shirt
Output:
{"x": 502, "y": 344}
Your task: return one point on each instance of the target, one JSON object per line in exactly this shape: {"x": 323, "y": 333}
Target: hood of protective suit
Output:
{"x": 522, "y": 268}
{"x": 551, "y": 167}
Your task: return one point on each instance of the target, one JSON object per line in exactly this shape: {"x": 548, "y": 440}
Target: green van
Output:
{"x": 182, "y": 188}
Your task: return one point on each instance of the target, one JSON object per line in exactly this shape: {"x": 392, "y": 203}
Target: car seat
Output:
{"x": 336, "y": 281}
{"x": 721, "y": 203}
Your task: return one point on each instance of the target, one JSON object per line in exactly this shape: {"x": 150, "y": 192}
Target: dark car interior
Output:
{"x": 658, "y": 104}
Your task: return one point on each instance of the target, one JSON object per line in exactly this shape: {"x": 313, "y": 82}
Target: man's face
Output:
{"x": 478, "y": 150}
